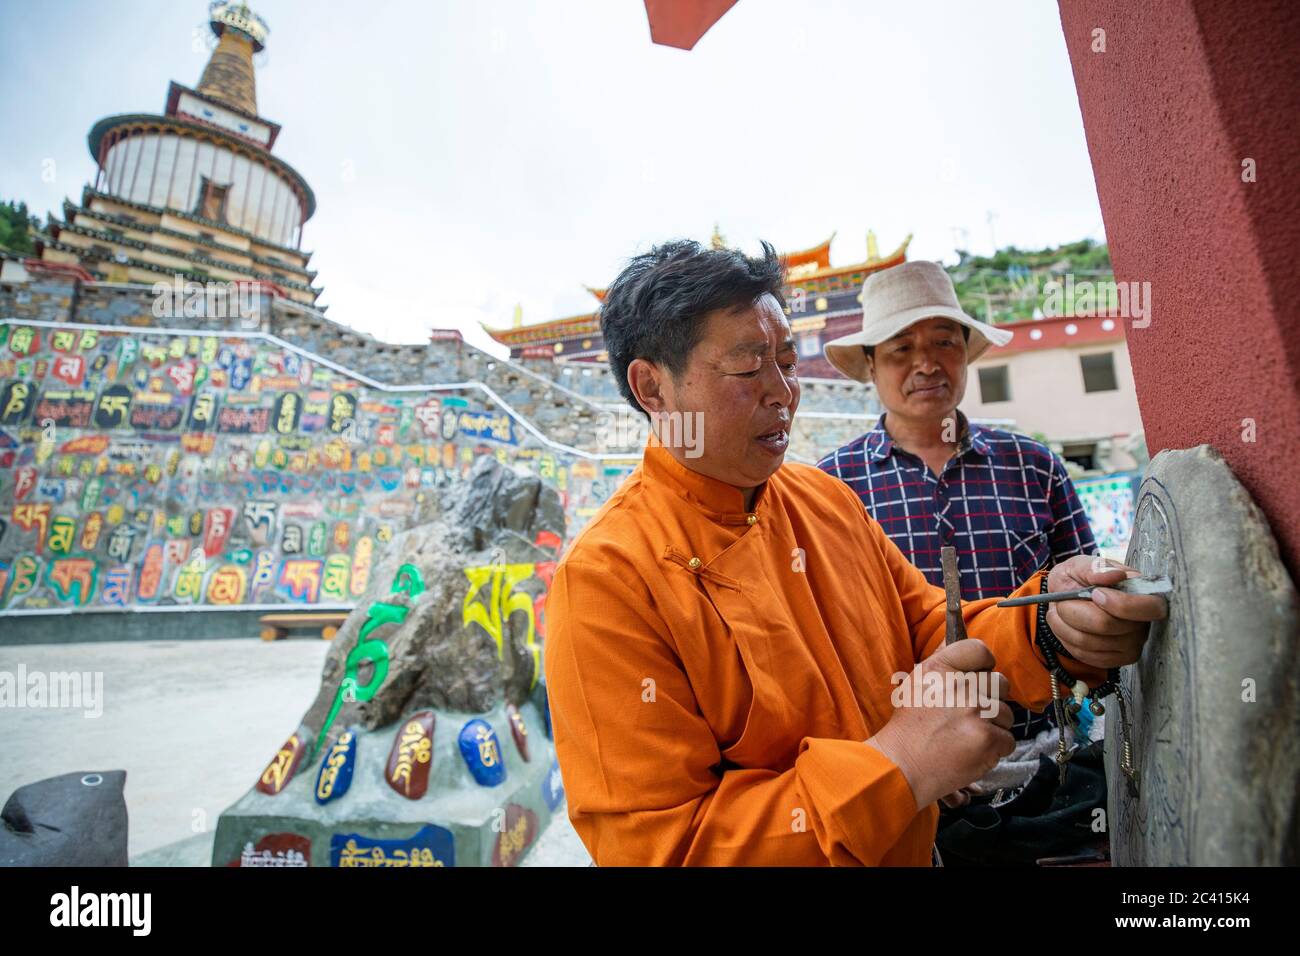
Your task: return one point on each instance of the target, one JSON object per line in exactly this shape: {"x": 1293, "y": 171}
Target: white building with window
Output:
{"x": 1067, "y": 379}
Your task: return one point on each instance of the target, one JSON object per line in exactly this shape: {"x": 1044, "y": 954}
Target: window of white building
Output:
{"x": 1099, "y": 372}
{"x": 995, "y": 384}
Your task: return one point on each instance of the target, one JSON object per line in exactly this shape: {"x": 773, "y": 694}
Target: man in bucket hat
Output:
{"x": 931, "y": 478}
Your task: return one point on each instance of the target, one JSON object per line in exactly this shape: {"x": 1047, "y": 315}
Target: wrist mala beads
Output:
{"x": 1066, "y": 706}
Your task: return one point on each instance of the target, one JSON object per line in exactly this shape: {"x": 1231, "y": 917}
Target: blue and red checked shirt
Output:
{"x": 1004, "y": 501}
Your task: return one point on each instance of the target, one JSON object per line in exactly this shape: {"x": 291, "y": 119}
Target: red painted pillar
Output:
{"x": 1185, "y": 102}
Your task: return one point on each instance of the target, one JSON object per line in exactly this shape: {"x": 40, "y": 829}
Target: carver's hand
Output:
{"x": 941, "y": 749}
{"x": 1110, "y": 629}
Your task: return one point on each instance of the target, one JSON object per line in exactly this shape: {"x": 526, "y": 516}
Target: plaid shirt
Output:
{"x": 1004, "y": 501}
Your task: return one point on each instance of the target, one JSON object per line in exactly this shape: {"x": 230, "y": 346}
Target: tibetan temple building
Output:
{"x": 194, "y": 191}
{"x": 823, "y": 302}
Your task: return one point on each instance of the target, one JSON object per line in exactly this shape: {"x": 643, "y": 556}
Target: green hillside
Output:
{"x": 1009, "y": 286}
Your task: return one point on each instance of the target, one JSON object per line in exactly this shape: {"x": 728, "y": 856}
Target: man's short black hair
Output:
{"x": 655, "y": 308}
{"x": 965, "y": 334}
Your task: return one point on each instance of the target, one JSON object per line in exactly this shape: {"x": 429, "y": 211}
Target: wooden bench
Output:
{"x": 275, "y": 626}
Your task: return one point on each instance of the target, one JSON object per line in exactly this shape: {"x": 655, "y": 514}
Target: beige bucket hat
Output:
{"x": 903, "y": 295}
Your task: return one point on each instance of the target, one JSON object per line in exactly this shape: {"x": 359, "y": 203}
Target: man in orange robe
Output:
{"x": 728, "y": 636}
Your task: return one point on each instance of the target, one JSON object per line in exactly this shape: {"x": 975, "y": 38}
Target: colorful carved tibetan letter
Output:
{"x": 412, "y": 756}
{"x": 373, "y": 650}
{"x": 284, "y": 764}
{"x": 276, "y": 849}
{"x": 518, "y": 835}
{"x": 336, "y": 769}
{"x": 431, "y": 846}
{"x": 482, "y": 752}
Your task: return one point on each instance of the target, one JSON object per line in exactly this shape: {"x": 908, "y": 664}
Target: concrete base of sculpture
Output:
{"x": 483, "y": 822}
{"x": 1215, "y": 699}
{"x": 428, "y": 743}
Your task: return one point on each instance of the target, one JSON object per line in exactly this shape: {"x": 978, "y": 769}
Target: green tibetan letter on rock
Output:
{"x": 374, "y": 651}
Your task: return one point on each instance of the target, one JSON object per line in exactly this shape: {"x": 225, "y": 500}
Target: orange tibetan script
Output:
{"x": 713, "y": 674}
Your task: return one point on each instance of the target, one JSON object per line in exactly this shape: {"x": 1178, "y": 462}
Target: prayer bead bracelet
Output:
{"x": 1052, "y": 649}
{"x": 1046, "y": 639}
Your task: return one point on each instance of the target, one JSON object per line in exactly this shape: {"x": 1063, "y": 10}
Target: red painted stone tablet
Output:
{"x": 411, "y": 758}
{"x": 283, "y": 765}
{"x": 518, "y": 835}
{"x": 518, "y": 730}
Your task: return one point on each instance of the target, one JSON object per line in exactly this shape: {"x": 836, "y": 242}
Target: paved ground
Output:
{"x": 192, "y": 723}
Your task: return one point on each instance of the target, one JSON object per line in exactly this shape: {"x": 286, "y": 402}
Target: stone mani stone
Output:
{"x": 518, "y": 730}
{"x": 449, "y": 618}
{"x": 518, "y": 835}
{"x": 553, "y": 787}
{"x": 411, "y": 758}
{"x": 284, "y": 764}
{"x": 275, "y": 849}
{"x": 430, "y": 846}
{"x": 482, "y": 752}
{"x": 1215, "y": 698}
{"x": 335, "y": 774}
{"x": 468, "y": 638}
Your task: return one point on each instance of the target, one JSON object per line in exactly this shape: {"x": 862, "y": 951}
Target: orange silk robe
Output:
{"x": 716, "y": 714}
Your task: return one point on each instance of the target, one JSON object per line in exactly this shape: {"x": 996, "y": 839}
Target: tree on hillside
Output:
{"x": 1009, "y": 286}
{"x": 16, "y": 224}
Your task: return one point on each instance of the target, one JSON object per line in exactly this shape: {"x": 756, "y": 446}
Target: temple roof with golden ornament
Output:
{"x": 555, "y": 330}
{"x": 818, "y": 256}
{"x": 806, "y": 269}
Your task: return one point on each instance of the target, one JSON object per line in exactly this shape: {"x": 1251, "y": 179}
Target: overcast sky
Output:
{"x": 468, "y": 155}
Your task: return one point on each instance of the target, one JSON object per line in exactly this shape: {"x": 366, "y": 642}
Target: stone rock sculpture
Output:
{"x": 446, "y": 640}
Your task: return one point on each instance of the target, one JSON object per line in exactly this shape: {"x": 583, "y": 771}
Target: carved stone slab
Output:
{"x": 1215, "y": 699}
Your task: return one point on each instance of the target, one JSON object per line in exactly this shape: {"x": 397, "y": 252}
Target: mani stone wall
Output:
{"x": 572, "y": 409}
{"x": 1215, "y": 698}
{"x": 562, "y": 415}
{"x": 155, "y": 468}
{"x": 429, "y": 742}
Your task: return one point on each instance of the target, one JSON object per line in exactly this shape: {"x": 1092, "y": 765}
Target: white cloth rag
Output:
{"x": 1015, "y": 770}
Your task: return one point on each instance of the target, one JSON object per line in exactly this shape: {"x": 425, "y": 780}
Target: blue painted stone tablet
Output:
{"x": 482, "y": 752}
{"x": 546, "y": 713}
{"x": 336, "y": 768}
{"x": 553, "y": 786}
{"x": 430, "y": 846}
